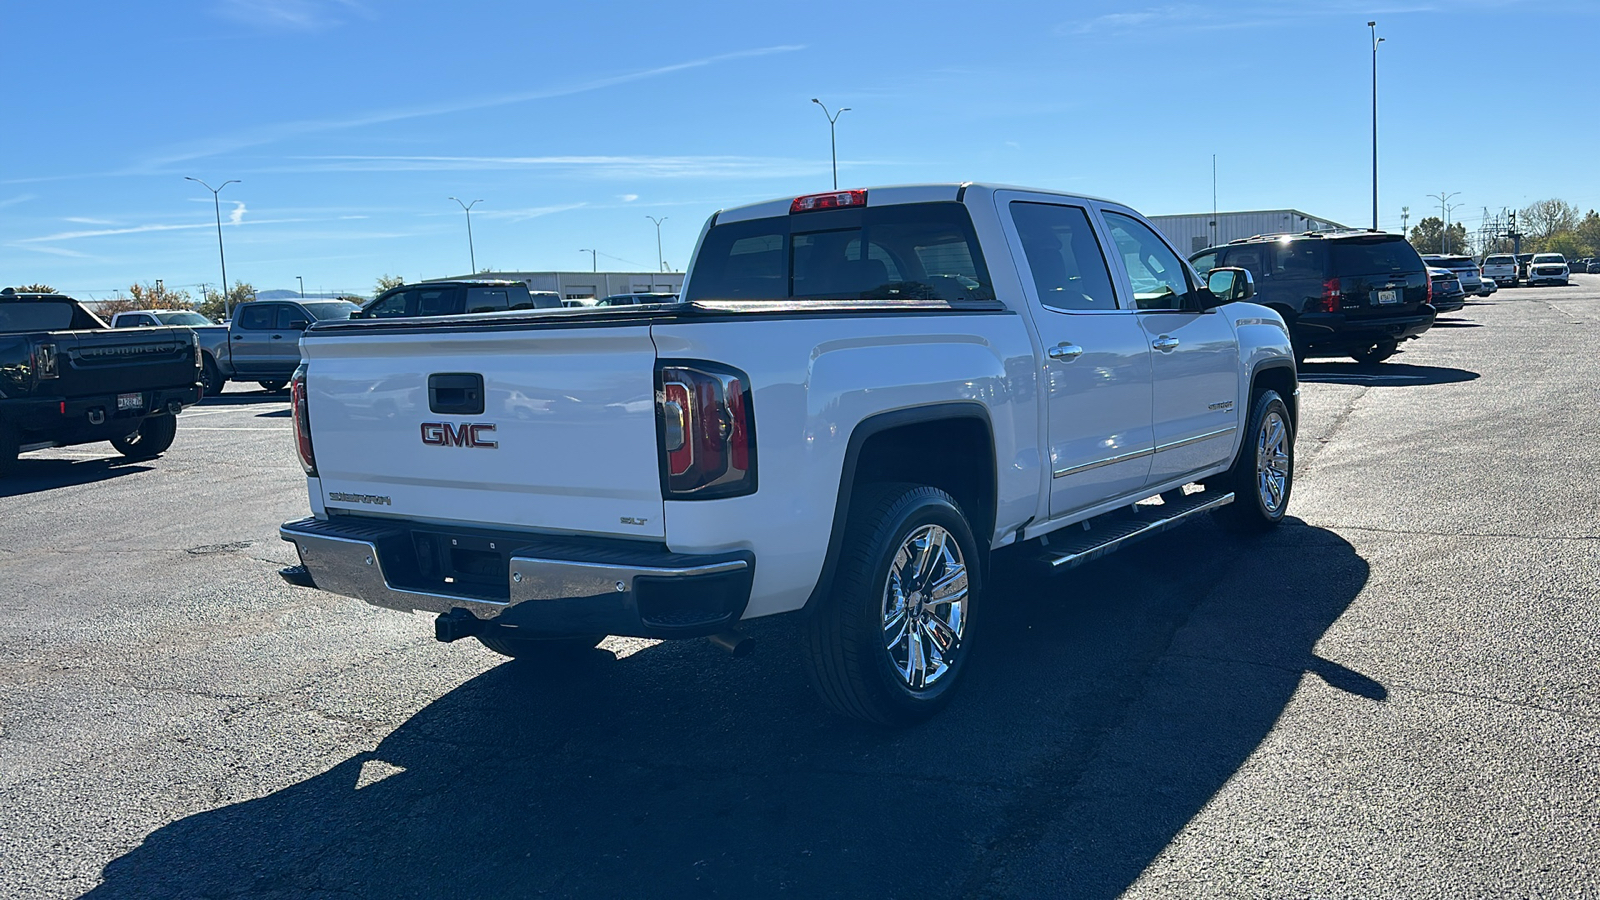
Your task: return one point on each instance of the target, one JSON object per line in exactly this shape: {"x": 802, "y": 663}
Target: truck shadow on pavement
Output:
{"x": 1104, "y": 709}
{"x": 35, "y": 475}
{"x": 1388, "y": 374}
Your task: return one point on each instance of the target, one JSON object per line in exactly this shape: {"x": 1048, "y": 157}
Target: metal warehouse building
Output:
{"x": 1192, "y": 233}
{"x": 587, "y": 285}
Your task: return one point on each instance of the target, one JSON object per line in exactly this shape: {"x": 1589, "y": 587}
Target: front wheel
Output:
{"x": 272, "y": 387}
{"x": 152, "y": 438}
{"x": 1263, "y": 472}
{"x": 890, "y": 640}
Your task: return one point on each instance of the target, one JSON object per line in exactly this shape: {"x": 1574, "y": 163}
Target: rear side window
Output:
{"x": 1297, "y": 259}
{"x": 913, "y": 251}
{"x": 1374, "y": 257}
{"x": 483, "y": 299}
{"x": 18, "y": 317}
{"x": 437, "y": 302}
{"x": 1069, "y": 268}
{"x": 257, "y": 318}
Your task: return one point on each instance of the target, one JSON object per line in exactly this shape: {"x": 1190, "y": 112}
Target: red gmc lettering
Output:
{"x": 467, "y": 434}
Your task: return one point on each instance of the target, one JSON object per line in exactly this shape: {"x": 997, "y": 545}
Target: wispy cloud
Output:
{"x": 286, "y": 130}
{"x": 598, "y": 166}
{"x": 237, "y": 215}
{"x": 20, "y": 198}
{"x": 627, "y": 198}
{"x": 53, "y": 251}
{"x": 292, "y": 15}
{"x": 526, "y": 213}
{"x": 1210, "y": 18}
{"x": 85, "y": 220}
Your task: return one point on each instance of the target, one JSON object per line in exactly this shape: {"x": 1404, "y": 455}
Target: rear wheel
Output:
{"x": 1263, "y": 473}
{"x": 211, "y": 379}
{"x": 272, "y": 387}
{"x": 10, "y": 446}
{"x": 1377, "y": 353}
{"x": 151, "y": 439}
{"x": 889, "y": 641}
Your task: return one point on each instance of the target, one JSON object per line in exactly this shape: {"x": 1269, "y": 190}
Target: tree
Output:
{"x": 1429, "y": 236}
{"x": 146, "y": 295}
{"x": 1547, "y": 217}
{"x": 35, "y": 288}
{"x": 1588, "y": 232}
{"x": 385, "y": 282}
{"x": 216, "y": 307}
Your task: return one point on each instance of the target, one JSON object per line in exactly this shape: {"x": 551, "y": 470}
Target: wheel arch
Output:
{"x": 1278, "y": 376}
{"x": 873, "y": 456}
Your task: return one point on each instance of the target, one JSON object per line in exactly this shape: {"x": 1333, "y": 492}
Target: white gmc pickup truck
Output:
{"x": 860, "y": 395}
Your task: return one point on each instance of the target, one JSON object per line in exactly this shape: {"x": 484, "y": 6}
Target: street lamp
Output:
{"x": 1445, "y": 208}
{"x": 217, "y": 206}
{"x": 660, "y": 266}
{"x": 302, "y": 286}
{"x": 1375, "y": 42}
{"x": 471, "y": 253}
{"x": 594, "y": 259}
{"x": 833, "y": 143}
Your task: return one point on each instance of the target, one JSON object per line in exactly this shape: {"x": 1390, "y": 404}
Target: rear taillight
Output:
{"x": 706, "y": 431}
{"x": 1430, "y": 290}
{"x": 1332, "y": 298}
{"x": 45, "y": 362}
{"x": 301, "y": 409}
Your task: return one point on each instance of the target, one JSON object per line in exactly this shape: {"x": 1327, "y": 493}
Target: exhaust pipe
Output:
{"x": 735, "y": 643}
{"x": 456, "y": 624}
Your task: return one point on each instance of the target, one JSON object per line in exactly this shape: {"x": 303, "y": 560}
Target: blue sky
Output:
{"x": 350, "y": 122}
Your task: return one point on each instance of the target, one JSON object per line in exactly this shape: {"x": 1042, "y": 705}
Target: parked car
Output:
{"x": 1548, "y": 268}
{"x": 213, "y": 339}
{"x": 637, "y": 299}
{"x": 65, "y": 379}
{"x": 840, "y": 433}
{"x": 1594, "y": 267}
{"x": 454, "y": 298}
{"x": 1501, "y": 268}
{"x": 1356, "y": 293}
{"x": 1444, "y": 290}
{"x": 1486, "y": 287}
{"x": 264, "y": 338}
{"x": 1466, "y": 270}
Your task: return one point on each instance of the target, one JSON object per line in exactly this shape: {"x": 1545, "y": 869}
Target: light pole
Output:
{"x": 302, "y": 286}
{"x": 833, "y": 143}
{"x": 471, "y": 253}
{"x": 1444, "y": 208}
{"x": 1375, "y": 42}
{"x": 594, "y": 259}
{"x": 217, "y": 206}
{"x": 660, "y": 266}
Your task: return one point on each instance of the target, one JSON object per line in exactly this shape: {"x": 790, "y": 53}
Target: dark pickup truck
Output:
{"x": 65, "y": 378}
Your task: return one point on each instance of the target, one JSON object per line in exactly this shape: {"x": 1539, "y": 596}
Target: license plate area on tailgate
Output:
{"x": 463, "y": 563}
{"x": 1384, "y": 298}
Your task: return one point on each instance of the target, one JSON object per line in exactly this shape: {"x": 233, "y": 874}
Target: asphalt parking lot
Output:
{"x": 1396, "y": 694}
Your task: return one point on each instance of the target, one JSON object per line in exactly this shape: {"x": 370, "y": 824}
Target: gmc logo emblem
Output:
{"x": 467, "y": 434}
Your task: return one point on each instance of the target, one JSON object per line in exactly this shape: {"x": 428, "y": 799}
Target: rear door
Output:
{"x": 565, "y": 438}
{"x": 1097, "y": 361}
{"x": 250, "y": 343}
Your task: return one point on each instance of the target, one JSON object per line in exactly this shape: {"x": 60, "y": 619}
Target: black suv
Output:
{"x": 454, "y": 298}
{"x": 1356, "y": 293}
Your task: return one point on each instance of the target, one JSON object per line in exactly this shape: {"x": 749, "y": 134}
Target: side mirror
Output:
{"x": 1230, "y": 285}
{"x": 298, "y": 325}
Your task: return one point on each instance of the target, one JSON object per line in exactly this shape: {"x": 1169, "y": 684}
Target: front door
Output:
{"x": 290, "y": 323}
{"x": 1096, "y": 371}
{"x": 1194, "y": 354}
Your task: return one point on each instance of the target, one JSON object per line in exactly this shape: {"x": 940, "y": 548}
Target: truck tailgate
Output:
{"x": 566, "y": 440}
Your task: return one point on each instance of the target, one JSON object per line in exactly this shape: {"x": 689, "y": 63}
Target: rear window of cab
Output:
{"x": 909, "y": 251}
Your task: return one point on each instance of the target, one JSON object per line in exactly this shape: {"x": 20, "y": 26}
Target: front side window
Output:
{"x": 912, "y": 251}
{"x": 390, "y": 307}
{"x": 1205, "y": 262}
{"x": 1157, "y": 274}
{"x": 291, "y": 319}
{"x": 1069, "y": 269}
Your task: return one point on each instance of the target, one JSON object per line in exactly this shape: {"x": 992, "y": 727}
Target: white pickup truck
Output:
{"x": 860, "y": 395}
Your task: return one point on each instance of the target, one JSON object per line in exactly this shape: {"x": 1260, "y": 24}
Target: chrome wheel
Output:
{"x": 924, "y": 606}
{"x": 1272, "y": 462}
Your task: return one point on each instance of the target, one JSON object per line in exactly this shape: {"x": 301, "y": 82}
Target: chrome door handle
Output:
{"x": 1165, "y": 344}
{"x": 1065, "y": 352}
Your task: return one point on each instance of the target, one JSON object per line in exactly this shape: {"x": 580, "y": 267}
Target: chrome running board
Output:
{"x": 1070, "y": 547}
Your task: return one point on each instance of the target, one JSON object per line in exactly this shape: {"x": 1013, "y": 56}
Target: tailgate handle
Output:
{"x": 455, "y": 394}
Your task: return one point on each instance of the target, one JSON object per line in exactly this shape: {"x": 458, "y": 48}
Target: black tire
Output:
{"x": 540, "y": 649}
{"x": 154, "y": 436}
{"x": 1377, "y": 353}
{"x": 211, "y": 379}
{"x": 846, "y": 657}
{"x": 1250, "y": 511}
{"x": 10, "y": 444}
{"x": 272, "y": 387}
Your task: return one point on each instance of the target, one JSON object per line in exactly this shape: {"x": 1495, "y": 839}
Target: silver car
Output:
{"x": 1463, "y": 266}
